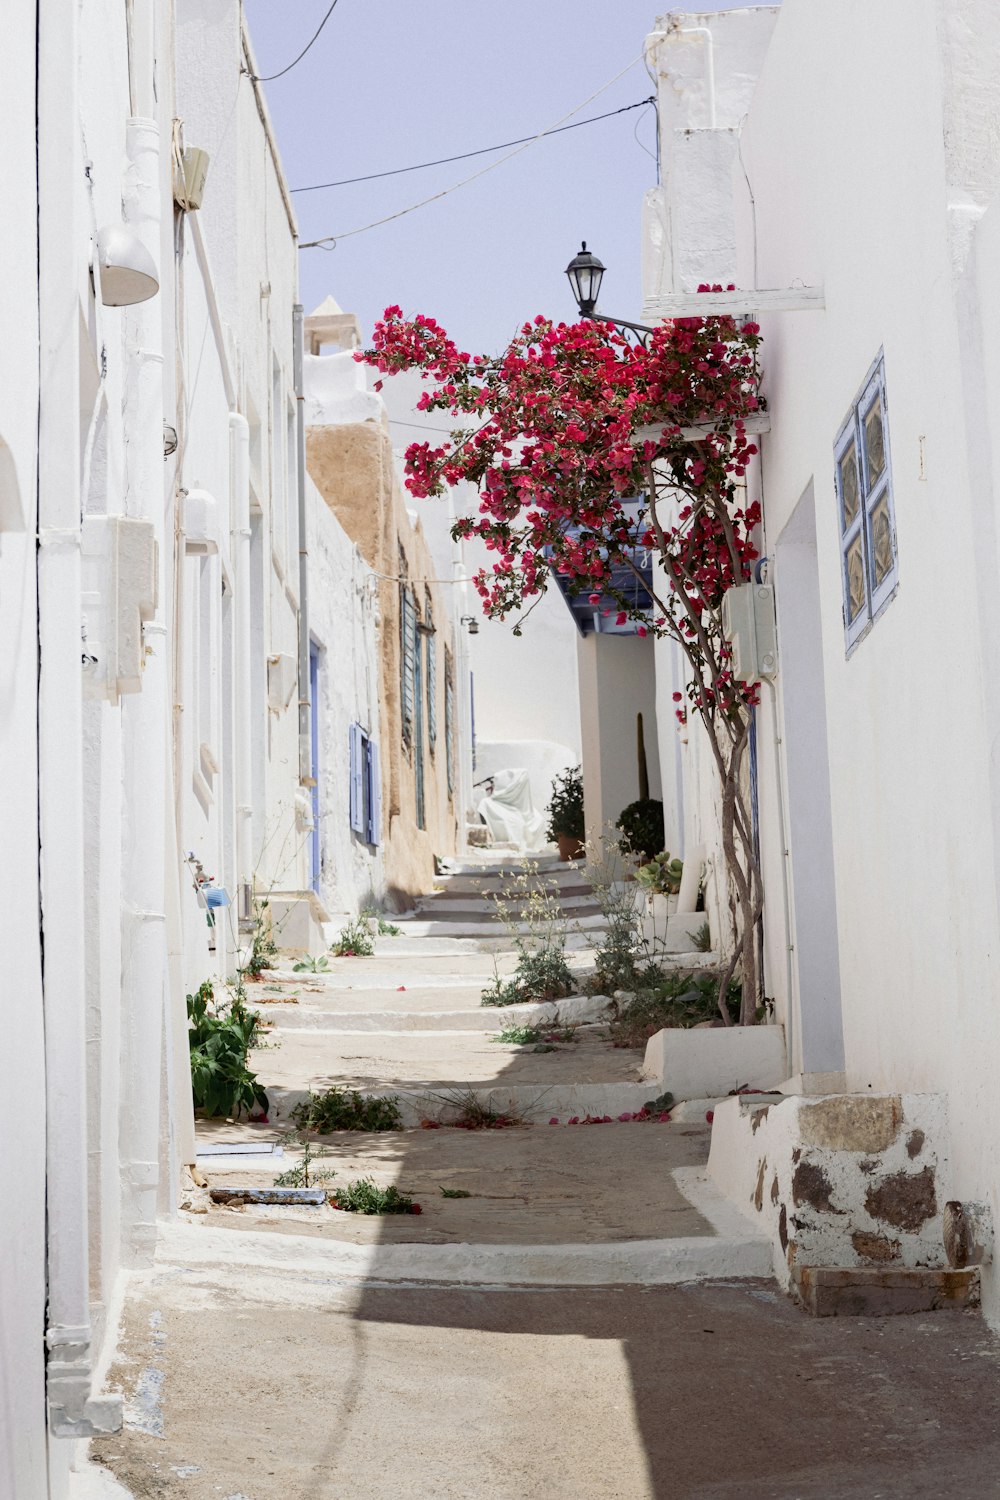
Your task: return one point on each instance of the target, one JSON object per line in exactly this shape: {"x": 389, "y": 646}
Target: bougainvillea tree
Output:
{"x": 548, "y": 432}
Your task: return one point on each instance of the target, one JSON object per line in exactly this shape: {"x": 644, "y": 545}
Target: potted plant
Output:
{"x": 660, "y": 878}
{"x": 566, "y": 825}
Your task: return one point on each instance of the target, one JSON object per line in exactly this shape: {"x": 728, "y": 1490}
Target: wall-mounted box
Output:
{"x": 748, "y": 624}
{"x": 119, "y": 587}
{"x": 282, "y": 680}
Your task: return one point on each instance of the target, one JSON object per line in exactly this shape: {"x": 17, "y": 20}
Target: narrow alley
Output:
{"x": 499, "y": 770}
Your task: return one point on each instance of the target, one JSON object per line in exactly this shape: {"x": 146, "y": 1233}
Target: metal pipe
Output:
{"x": 239, "y": 435}
{"x": 305, "y": 711}
{"x": 144, "y": 734}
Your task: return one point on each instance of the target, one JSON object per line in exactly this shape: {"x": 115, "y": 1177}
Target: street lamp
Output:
{"x": 585, "y": 274}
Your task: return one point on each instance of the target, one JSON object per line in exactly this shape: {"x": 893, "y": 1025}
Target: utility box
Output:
{"x": 119, "y": 596}
{"x": 119, "y": 577}
{"x": 282, "y": 680}
{"x": 189, "y": 180}
{"x": 749, "y": 626}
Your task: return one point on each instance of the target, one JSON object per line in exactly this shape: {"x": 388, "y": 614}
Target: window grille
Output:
{"x": 428, "y": 629}
{"x": 449, "y": 720}
{"x": 366, "y": 787}
{"x": 869, "y": 562}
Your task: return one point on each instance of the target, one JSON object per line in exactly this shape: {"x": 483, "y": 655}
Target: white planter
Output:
{"x": 705, "y": 1064}
{"x": 660, "y": 908}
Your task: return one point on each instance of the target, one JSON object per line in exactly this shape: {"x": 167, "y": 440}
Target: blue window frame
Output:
{"x": 869, "y": 567}
{"x": 366, "y": 787}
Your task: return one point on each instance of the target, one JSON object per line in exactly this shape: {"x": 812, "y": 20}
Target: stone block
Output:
{"x": 871, "y": 1292}
{"x": 852, "y": 1122}
{"x": 700, "y": 1064}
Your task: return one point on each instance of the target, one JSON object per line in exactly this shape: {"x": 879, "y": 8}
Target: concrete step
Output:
{"x": 315, "y": 1058}
{"x": 378, "y": 1011}
{"x": 420, "y": 926}
{"x": 570, "y": 881}
{"x": 444, "y": 908}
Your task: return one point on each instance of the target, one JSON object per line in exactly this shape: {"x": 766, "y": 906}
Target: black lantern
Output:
{"x": 585, "y": 272}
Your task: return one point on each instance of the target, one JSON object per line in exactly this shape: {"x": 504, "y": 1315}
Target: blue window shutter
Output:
{"x": 408, "y": 658}
{"x": 374, "y": 795}
{"x": 357, "y": 781}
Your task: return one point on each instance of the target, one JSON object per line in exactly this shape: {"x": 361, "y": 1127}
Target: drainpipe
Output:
{"x": 144, "y": 737}
{"x": 73, "y": 1412}
{"x": 305, "y": 735}
{"x": 239, "y": 436}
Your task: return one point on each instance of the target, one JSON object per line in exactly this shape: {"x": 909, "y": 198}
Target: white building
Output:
{"x": 171, "y": 707}
{"x": 846, "y": 148}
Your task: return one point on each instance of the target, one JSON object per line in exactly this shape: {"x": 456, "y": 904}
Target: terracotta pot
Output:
{"x": 570, "y": 847}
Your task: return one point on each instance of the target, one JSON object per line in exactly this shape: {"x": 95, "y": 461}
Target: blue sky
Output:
{"x": 391, "y": 82}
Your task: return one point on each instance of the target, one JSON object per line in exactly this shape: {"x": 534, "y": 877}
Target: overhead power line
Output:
{"x": 441, "y": 161}
{"x": 272, "y": 76}
{"x": 329, "y": 241}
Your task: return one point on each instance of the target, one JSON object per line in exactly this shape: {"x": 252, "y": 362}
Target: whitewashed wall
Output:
{"x": 343, "y": 622}
{"x": 872, "y": 169}
{"x": 22, "y": 1172}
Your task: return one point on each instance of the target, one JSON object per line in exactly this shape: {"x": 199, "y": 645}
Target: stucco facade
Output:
{"x": 350, "y": 461}
{"x": 865, "y": 168}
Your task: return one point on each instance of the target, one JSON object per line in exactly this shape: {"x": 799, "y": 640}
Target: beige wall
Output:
{"x": 352, "y": 467}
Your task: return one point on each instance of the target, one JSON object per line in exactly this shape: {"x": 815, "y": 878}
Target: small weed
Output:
{"x": 518, "y": 1036}
{"x": 455, "y": 1193}
{"x": 355, "y": 940}
{"x": 467, "y": 1111}
{"x": 364, "y": 1196}
{"x": 310, "y": 965}
{"x": 262, "y": 944}
{"x": 387, "y": 929}
{"x": 344, "y": 1109}
{"x": 702, "y": 939}
{"x": 304, "y": 1174}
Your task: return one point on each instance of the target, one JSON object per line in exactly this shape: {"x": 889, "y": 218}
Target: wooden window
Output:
{"x": 429, "y": 633}
{"x": 863, "y": 471}
{"x": 366, "y": 787}
{"x": 407, "y": 651}
{"x": 449, "y": 720}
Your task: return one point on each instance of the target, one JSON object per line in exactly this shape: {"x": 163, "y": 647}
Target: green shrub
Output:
{"x": 541, "y": 974}
{"x": 641, "y": 825}
{"x": 344, "y": 1109}
{"x": 220, "y": 1037}
{"x": 310, "y": 965}
{"x": 675, "y": 1000}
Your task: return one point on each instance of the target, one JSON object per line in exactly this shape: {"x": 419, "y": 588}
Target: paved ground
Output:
{"x": 316, "y": 1391}
{"x": 547, "y": 1185}
{"x": 305, "y": 1354}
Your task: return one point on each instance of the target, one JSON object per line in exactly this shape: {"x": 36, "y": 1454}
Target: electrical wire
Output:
{"x": 272, "y": 76}
{"x": 329, "y": 241}
{"x": 316, "y": 187}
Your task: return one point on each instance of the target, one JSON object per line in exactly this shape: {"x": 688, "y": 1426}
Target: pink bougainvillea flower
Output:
{"x": 415, "y": 1208}
{"x": 709, "y": 1115}
{"x": 625, "y": 1117}
{"x": 554, "y": 1120}
{"x": 574, "y": 1121}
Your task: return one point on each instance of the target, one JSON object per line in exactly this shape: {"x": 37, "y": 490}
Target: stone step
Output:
{"x": 533, "y": 1103}
{"x": 316, "y": 1058}
{"x": 426, "y": 1011}
{"x": 420, "y": 926}
{"x": 436, "y": 908}
{"x": 571, "y": 881}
